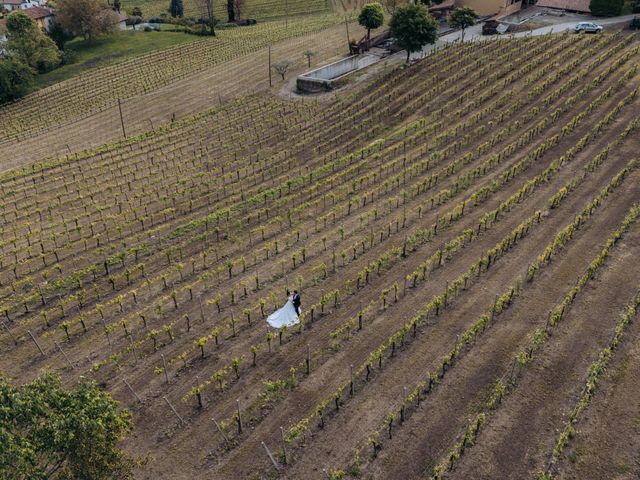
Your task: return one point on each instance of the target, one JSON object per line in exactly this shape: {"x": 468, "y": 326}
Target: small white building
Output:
{"x": 11, "y": 5}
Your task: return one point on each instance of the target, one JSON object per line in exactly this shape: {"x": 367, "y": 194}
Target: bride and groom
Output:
{"x": 287, "y": 315}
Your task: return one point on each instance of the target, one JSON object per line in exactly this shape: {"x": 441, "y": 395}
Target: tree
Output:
{"x": 281, "y": 68}
{"x": 48, "y": 432}
{"x": 28, "y": 44}
{"x": 176, "y": 8}
{"x": 206, "y": 6}
{"x": 309, "y": 54}
{"x": 87, "y": 18}
{"x": 463, "y": 18}
{"x": 231, "y": 10}
{"x": 238, "y": 6}
{"x": 606, "y": 8}
{"x": 371, "y": 17}
{"x": 16, "y": 79}
{"x": 413, "y": 27}
{"x": 59, "y": 34}
{"x": 136, "y": 12}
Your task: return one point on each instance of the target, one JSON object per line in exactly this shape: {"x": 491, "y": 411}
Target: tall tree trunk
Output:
{"x": 231, "y": 11}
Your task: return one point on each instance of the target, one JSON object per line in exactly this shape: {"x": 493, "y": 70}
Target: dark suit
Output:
{"x": 296, "y": 302}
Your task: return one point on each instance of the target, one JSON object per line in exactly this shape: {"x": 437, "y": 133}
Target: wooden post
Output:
{"x": 15, "y": 341}
{"x": 308, "y": 359}
{"x": 273, "y": 460}
{"x": 220, "y": 430}
{"x": 239, "y": 417}
{"x": 351, "y": 379}
{"x": 65, "y": 355}
{"x": 36, "y": 342}
{"x": 164, "y": 367}
{"x": 284, "y": 446}
{"x": 131, "y": 390}
{"x": 174, "y": 410}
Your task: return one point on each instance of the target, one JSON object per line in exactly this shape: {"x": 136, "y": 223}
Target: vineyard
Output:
{"x": 100, "y": 89}
{"x": 463, "y": 231}
{"x": 257, "y": 9}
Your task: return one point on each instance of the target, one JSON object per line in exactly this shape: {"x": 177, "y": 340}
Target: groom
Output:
{"x": 296, "y": 301}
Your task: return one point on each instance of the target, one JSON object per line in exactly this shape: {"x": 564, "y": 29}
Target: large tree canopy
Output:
{"x": 16, "y": 79}
{"x": 371, "y": 17}
{"x": 88, "y": 18}
{"x": 413, "y": 27}
{"x": 29, "y": 45}
{"x": 48, "y": 432}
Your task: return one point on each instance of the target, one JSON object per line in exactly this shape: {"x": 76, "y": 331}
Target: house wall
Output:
{"x": 491, "y": 7}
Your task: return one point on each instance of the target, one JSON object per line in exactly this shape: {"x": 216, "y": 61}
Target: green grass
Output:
{"x": 109, "y": 50}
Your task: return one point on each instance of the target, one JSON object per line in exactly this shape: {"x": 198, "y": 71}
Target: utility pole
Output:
{"x": 270, "y": 83}
{"x": 346, "y": 24}
{"x": 121, "y": 119}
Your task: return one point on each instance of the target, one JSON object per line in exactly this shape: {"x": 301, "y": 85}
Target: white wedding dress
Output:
{"x": 286, "y": 316}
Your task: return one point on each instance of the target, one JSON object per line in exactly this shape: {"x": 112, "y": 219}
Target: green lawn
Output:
{"x": 109, "y": 50}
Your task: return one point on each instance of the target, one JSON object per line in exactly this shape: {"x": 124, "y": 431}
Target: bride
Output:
{"x": 286, "y": 316}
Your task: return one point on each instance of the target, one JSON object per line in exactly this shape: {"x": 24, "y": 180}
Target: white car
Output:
{"x": 589, "y": 27}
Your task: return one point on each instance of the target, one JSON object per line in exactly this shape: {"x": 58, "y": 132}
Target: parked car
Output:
{"x": 588, "y": 27}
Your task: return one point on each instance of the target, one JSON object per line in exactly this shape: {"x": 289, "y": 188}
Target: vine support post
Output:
{"x": 273, "y": 460}
{"x": 284, "y": 446}
{"x": 220, "y": 430}
{"x": 36, "y": 342}
{"x": 131, "y": 389}
{"x": 6, "y": 327}
{"x": 351, "y": 380}
{"x": 164, "y": 367}
{"x": 64, "y": 355}
{"x": 239, "y": 419}
{"x": 173, "y": 409}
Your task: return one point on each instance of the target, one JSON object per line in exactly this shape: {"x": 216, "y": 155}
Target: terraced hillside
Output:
{"x": 463, "y": 232}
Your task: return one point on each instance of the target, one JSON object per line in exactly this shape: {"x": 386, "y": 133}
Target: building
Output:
{"x": 11, "y": 5}
{"x": 581, "y": 6}
{"x": 43, "y": 16}
{"x": 482, "y": 7}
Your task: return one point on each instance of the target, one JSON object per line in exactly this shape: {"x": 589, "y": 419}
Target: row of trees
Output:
{"x": 411, "y": 24}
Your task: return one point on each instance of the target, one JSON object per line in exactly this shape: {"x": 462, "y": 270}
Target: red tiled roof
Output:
{"x": 38, "y": 12}
{"x": 577, "y": 5}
